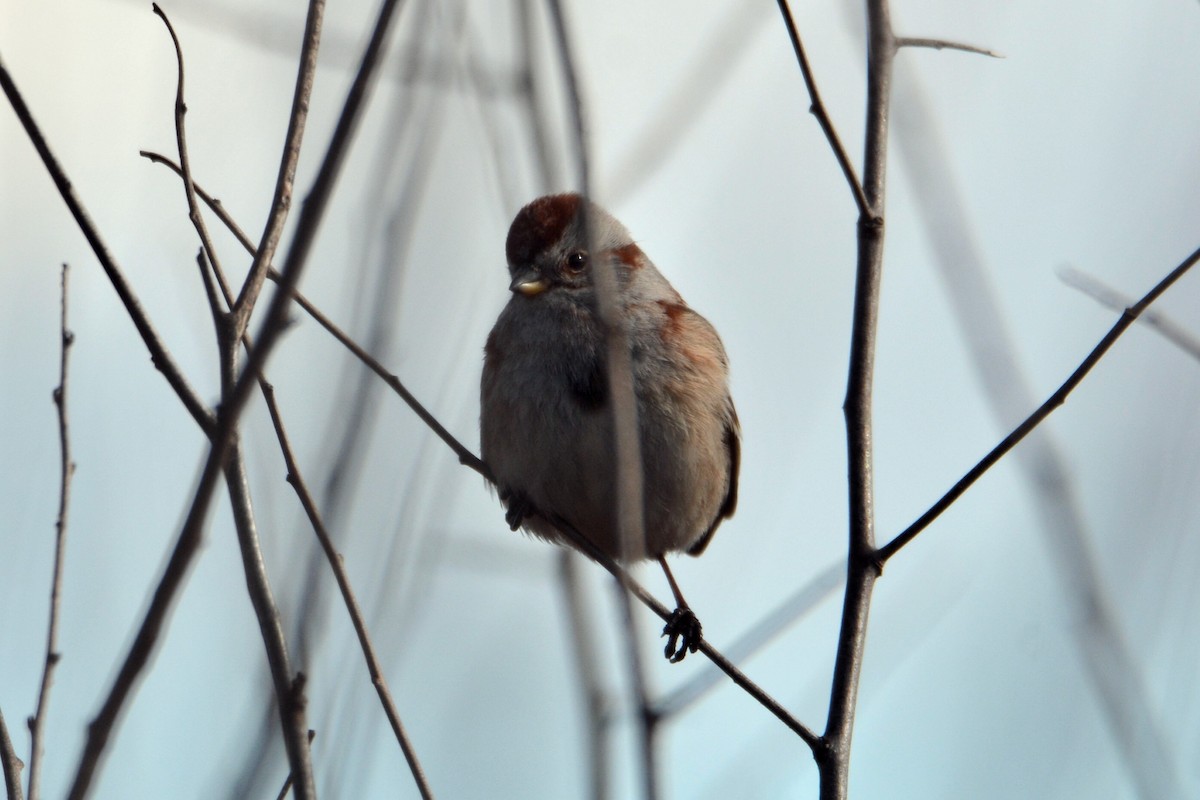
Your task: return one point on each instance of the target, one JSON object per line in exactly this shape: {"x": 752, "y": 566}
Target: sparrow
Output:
{"x": 546, "y": 423}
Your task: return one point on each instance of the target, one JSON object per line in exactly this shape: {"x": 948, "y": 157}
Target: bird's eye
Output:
{"x": 576, "y": 262}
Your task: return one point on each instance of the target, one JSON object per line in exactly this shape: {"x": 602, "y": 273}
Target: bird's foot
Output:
{"x": 684, "y": 634}
{"x": 518, "y": 505}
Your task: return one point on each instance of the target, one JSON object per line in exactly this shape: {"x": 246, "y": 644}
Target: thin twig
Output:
{"x": 272, "y": 327}
{"x": 282, "y": 200}
{"x": 9, "y": 763}
{"x": 584, "y": 546}
{"x": 865, "y": 209}
{"x": 465, "y": 456}
{"x": 535, "y": 113}
{"x": 336, "y": 564}
{"x": 645, "y": 717}
{"x": 944, "y": 44}
{"x": 833, "y": 760}
{"x": 1111, "y": 664}
{"x": 587, "y": 662}
{"x": 295, "y": 478}
{"x": 1128, "y": 317}
{"x": 158, "y": 352}
{"x": 37, "y": 722}
{"x": 1107, "y": 296}
{"x": 181, "y": 143}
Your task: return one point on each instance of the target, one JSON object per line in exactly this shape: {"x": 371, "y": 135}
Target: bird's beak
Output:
{"x": 528, "y": 283}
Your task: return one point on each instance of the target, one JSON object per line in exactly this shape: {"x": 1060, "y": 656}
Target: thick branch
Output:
{"x": 834, "y": 761}
{"x": 10, "y": 765}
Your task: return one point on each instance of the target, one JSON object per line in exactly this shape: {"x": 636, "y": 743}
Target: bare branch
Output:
{"x": 272, "y": 327}
{"x": 181, "y": 142}
{"x": 1111, "y": 664}
{"x": 1128, "y": 317}
{"x": 1171, "y": 330}
{"x": 158, "y": 353}
{"x": 465, "y": 456}
{"x": 755, "y": 638}
{"x": 818, "y": 110}
{"x": 587, "y": 661}
{"x": 833, "y": 761}
{"x": 724, "y": 664}
{"x": 944, "y": 44}
{"x": 9, "y": 763}
{"x": 37, "y": 722}
{"x": 647, "y": 719}
{"x": 343, "y": 581}
{"x": 282, "y": 200}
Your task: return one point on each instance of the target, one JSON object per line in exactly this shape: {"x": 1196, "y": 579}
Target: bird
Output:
{"x": 546, "y": 422}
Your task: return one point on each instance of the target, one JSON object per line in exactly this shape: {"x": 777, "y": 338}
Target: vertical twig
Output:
{"x": 587, "y": 660}
{"x": 37, "y": 722}
{"x": 630, "y": 522}
{"x": 646, "y": 716}
{"x": 833, "y": 760}
{"x": 287, "y": 783}
{"x": 9, "y": 763}
{"x": 189, "y": 188}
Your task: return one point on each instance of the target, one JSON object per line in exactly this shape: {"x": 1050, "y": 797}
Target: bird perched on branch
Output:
{"x": 547, "y": 426}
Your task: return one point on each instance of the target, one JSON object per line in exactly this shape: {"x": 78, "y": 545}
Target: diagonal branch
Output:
{"x": 1128, "y": 317}
{"x": 465, "y": 456}
{"x": 37, "y": 722}
{"x": 10, "y": 765}
{"x": 1168, "y": 328}
{"x": 818, "y": 110}
{"x": 158, "y": 352}
{"x": 1116, "y": 678}
{"x": 343, "y": 581}
{"x": 282, "y": 200}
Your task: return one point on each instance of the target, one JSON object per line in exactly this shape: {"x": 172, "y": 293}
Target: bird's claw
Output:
{"x": 684, "y": 634}
{"x": 518, "y": 505}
